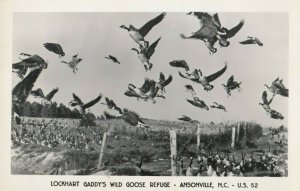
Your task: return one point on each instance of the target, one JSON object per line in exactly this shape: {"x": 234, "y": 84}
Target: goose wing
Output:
{"x": 248, "y": 41}
{"x": 264, "y": 97}
{"x": 38, "y": 92}
{"x": 77, "y": 98}
{"x": 93, "y": 102}
{"x": 23, "y": 88}
{"x": 180, "y": 63}
{"x": 183, "y": 76}
{"x": 258, "y": 42}
{"x": 234, "y": 30}
{"x": 18, "y": 65}
{"x": 162, "y": 77}
{"x": 150, "y": 24}
{"x": 50, "y": 95}
{"x": 113, "y": 58}
{"x": 131, "y": 117}
{"x": 284, "y": 92}
{"x": 147, "y": 85}
{"x": 214, "y": 76}
{"x": 217, "y": 20}
{"x": 168, "y": 81}
{"x": 151, "y": 48}
{"x": 118, "y": 109}
{"x": 54, "y": 47}
{"x": 230, "y": 81}
{"x": 194, "y": 103}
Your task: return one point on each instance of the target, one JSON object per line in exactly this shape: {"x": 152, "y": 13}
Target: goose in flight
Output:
{"x": 113, "y": 59}
{"x": 73, "y": 63}
{"x": 163, "y": 82}
{"x": 111, "y": 105}
{"x": 252, "y": 40}
{"x": 231, "y": 85}
{"x": 145, "y": 54}
{"x": 56, "y": 48}
{"x": 211, "y": 31}
{"x": 80, "y": 106}
{"x": 266, "y": 103}
{"x": 185, "y": 118}
{"x": 180, "y": 64}
{"x": 198, "y": 103}
{"x": 149, "y": 89}
{"x": 189, "y": 88}
{"x": 138, "y": 35}
{"x": 22, "y": 90}
{"x": 46, "y": 100}
{"x": 31, "y": 61}
{"x": 275, "y": 114}
{"x": 218, "y": 106}
{"x": 129, "y": 117}
{"x": 277, "y": 87}
{"x": 196, "y": 76}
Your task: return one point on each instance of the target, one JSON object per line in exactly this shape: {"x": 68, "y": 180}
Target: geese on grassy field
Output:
{"x": 111, "y": 105}
{"x": 54, "y": 47}
{"x": 145, "y": 54}
{"x": 218, "y": 106}
{"x": 129, "y": 117}
{"x": 196, "y": 76}
{"x": 73, "y": 63}
{"x": 180, "y": 64}
{"x": 46, "y": 100}
{"x": 22, "y": 90}
{"x": 138, "y": 35}
{"x": 113, "y": 59}
{"x": 252, "y": 40}
{"x": 231, "y": 85}
{"x": 211, "y": 31}
{"x": 198, "y": 103}
{"x": 80, "y": 106}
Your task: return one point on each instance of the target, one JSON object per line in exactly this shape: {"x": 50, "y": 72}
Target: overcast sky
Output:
{"x": 95, "y": 35}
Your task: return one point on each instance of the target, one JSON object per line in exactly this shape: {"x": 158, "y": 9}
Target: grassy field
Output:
{"x": 125, "y": 145}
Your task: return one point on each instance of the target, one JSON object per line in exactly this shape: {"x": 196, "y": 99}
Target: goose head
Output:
{"x": 135, "y": 50}
{"x": 124, "y": 27}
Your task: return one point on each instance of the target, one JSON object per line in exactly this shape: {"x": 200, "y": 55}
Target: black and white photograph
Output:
{"x": 150, "y": 94}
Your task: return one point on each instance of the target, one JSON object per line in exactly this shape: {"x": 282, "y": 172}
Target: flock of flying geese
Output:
{"x": 210, "y": 32}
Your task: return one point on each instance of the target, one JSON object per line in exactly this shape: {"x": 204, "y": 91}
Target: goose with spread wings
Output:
{"x": 180, "y": 64}
{"x": 197, "y": 76}
{"x": 80, "y": 106}
{"x": 129, "y": 117}
{"x": 145, "y": 54}
{"x": 73, "y": 63}
{"x": 277, "y": 87}
{"x": 218, "y": 106}
{"x": 138, "y": 35}
{"x": 198, "y": 103}
{"x": 111, "y": 105}
{"x": 55, "y": 47}
{"x": 211, "y": 31}
{"x": 231, "y": 85}
{"x": 252, "y": 40}
{"x": 266, "y": 103}
{"x": 46, "y": 100}
{"x": 22, "y": 90}
{"x": 113, "y": 59}
{"x": 31, "y": 61}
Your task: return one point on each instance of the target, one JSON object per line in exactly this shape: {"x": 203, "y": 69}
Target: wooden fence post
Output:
{"x": 233, "y": 138}
{"x": 173, "y": 146}
{"x": 238, "y": 132}
{"x": 198, "y": 136}
{"x": 102, "y": 151}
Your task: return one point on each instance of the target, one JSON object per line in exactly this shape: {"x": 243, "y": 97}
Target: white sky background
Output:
{"x": 95, "y": 35}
